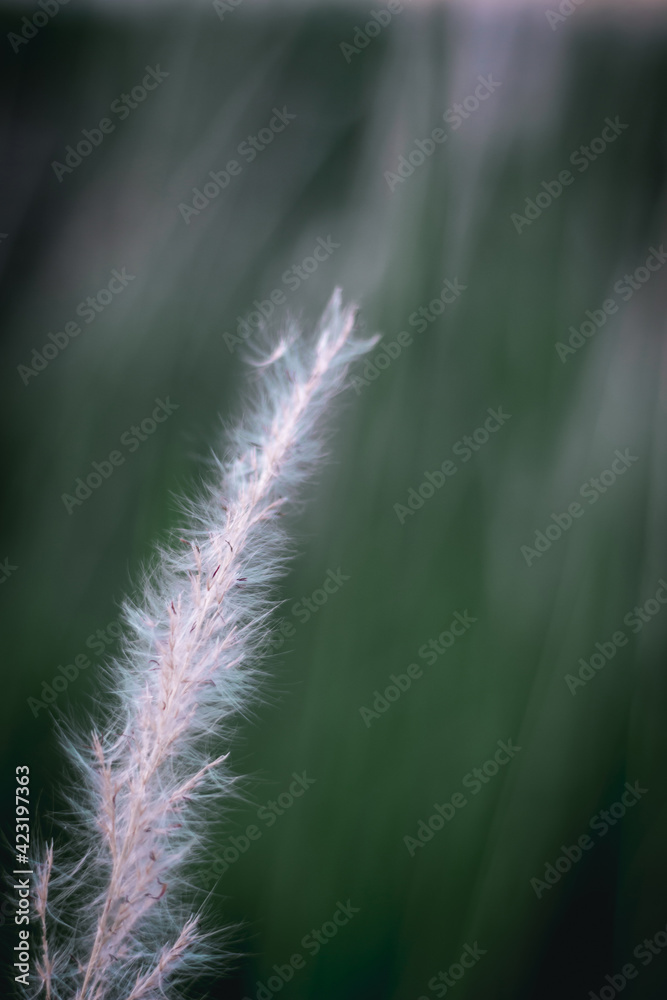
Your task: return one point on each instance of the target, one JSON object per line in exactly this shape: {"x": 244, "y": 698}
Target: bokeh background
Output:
{"x": 170, "y": 334}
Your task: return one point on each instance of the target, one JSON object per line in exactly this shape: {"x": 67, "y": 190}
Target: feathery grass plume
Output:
{"x": 119, "y": 925}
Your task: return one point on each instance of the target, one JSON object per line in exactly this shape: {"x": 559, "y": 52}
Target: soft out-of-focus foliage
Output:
{"x": 322, "y": 178}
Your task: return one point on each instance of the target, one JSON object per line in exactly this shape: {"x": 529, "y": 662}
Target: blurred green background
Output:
{"x": 324, "y": 176}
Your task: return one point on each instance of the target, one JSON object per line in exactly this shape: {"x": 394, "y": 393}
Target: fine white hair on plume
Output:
{"x": 113, "y": 907}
